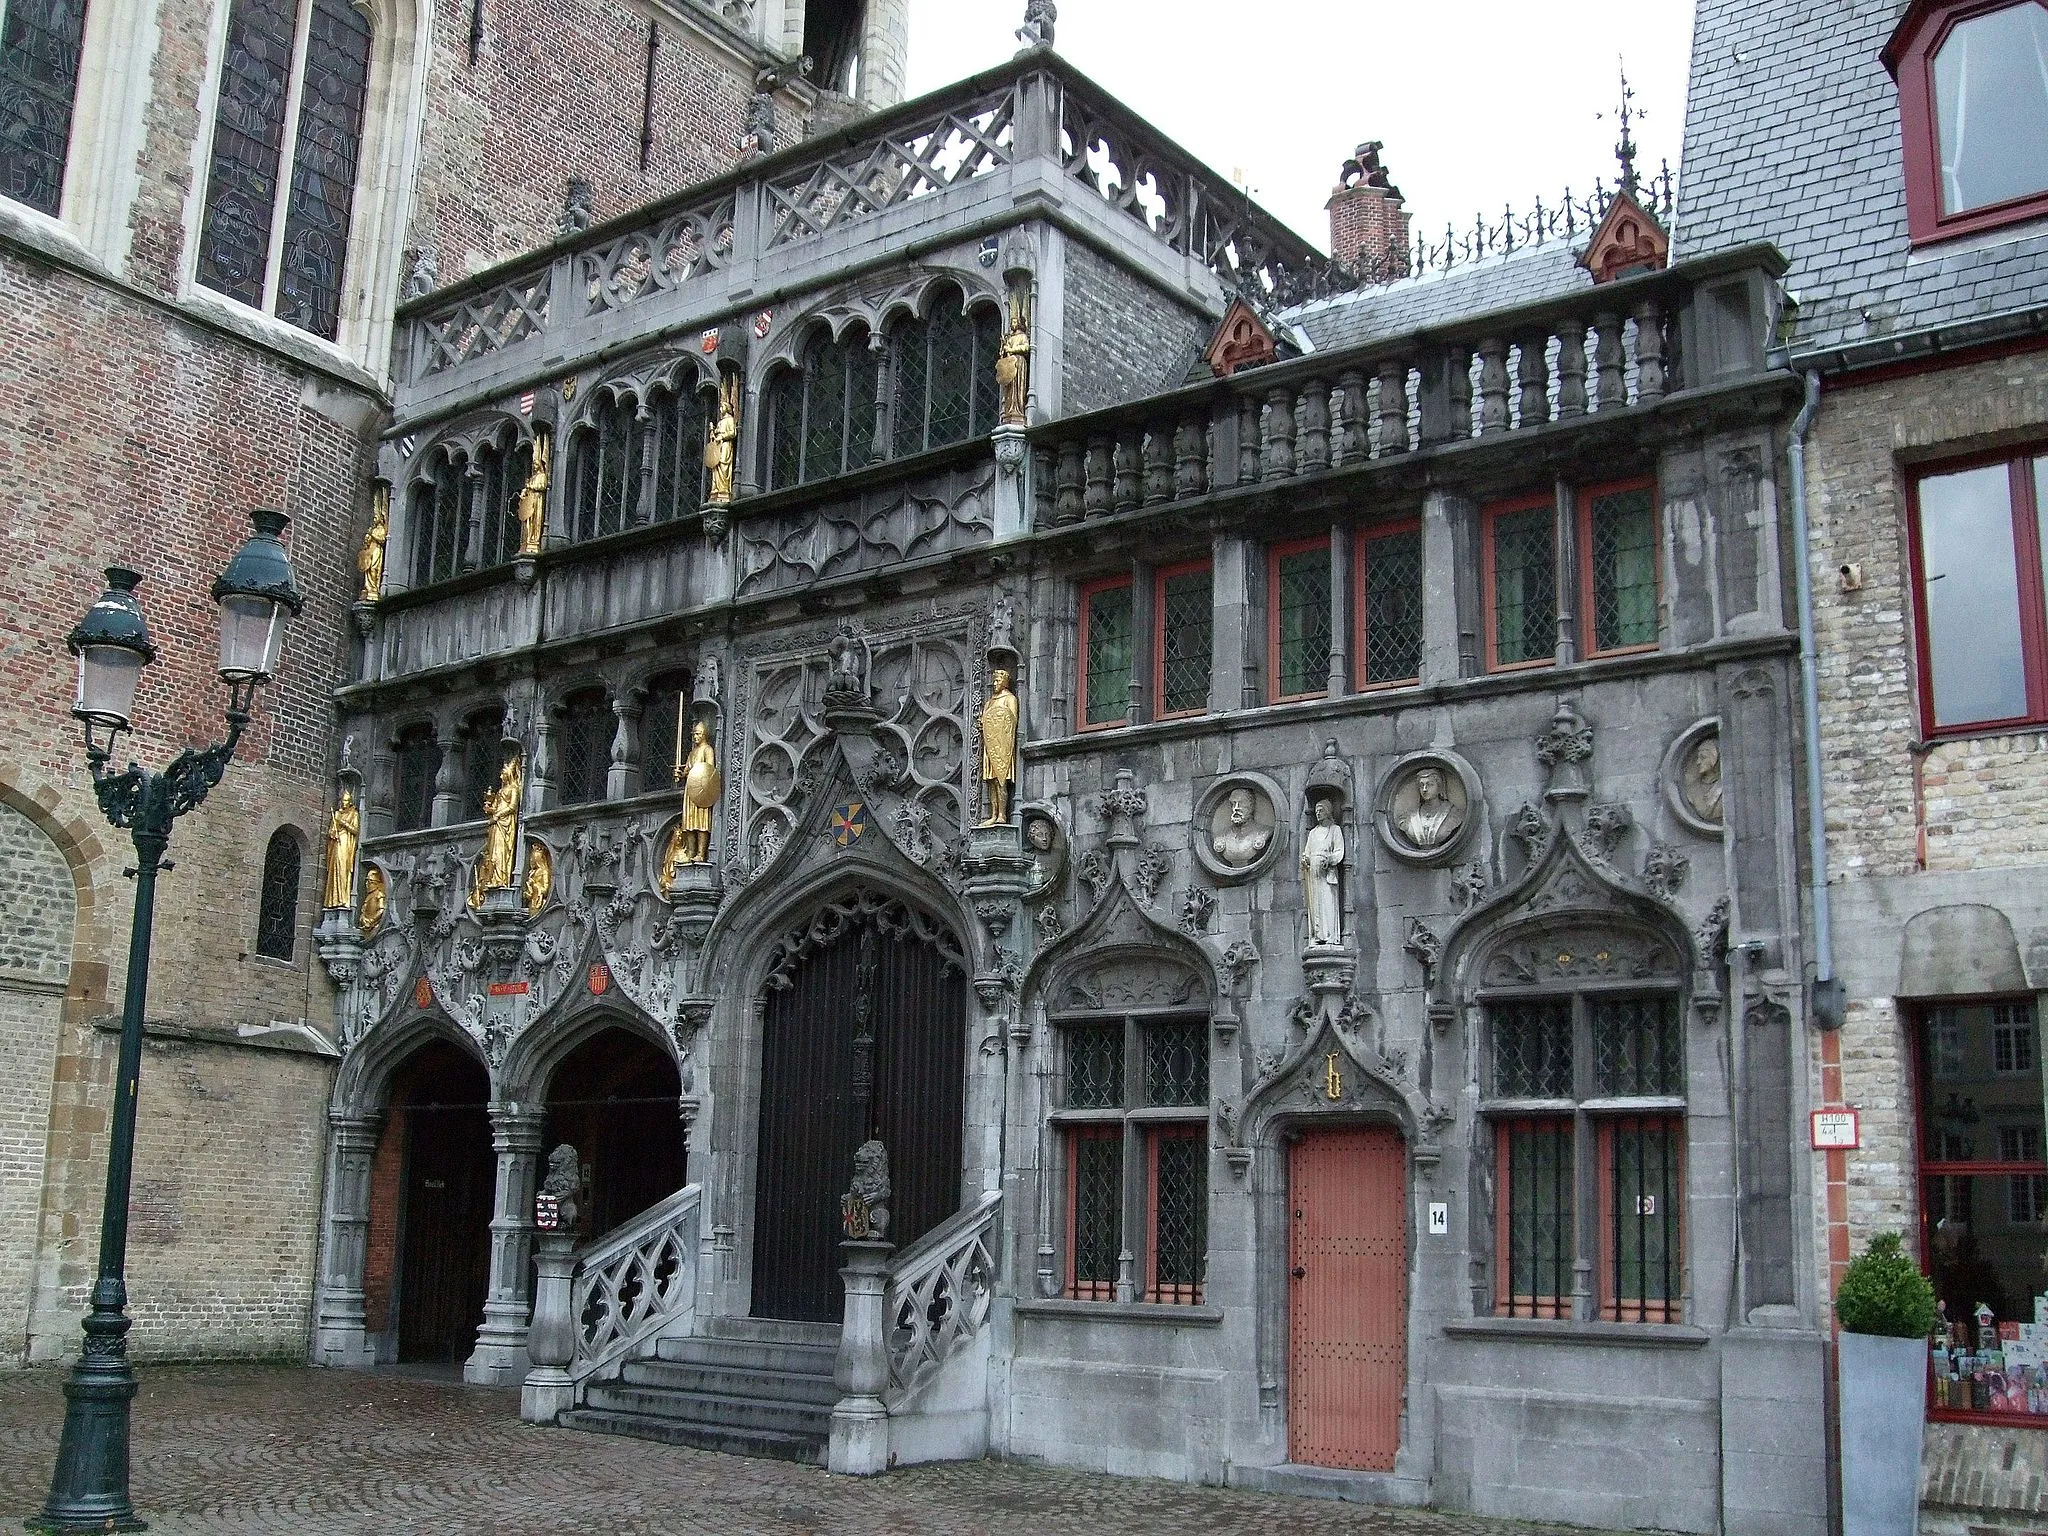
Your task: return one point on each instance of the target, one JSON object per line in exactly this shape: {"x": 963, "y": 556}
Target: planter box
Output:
{"x": 1884, "y": 1414}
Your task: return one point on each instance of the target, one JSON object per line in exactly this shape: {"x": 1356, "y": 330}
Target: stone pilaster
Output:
{"x": 500, "y": 1359}
{"x": 340, "y": 1332}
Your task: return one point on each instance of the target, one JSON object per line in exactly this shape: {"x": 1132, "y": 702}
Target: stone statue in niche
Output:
{"x": 999, "y": 747}
{"x": 1042, "y": 835}
{"x": 849, "y": 678}
{"x": 343, "y": 828}
{"x": 501, "y": 834}
{"x": 1436, "y": 814}
{"x": 1700, "y": 778}
{"x": 1322, "y": 861}
{"x": 864, "y": 1209}
{"x": 533, "y": 496}
{"x": 690, "y": 842}
{"x": 1244, "y": 834}
{"x": 370, "y": 558}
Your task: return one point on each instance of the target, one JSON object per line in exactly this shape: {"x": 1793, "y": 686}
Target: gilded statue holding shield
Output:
{"x": 690, "y": 842}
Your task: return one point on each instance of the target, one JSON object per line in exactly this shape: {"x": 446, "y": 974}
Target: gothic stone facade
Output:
{"x": 1528, "y": 552}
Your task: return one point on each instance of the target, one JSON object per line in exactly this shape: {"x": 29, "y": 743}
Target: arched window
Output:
{"x": 676, "y": 435}
{"x": 41, "y": 43}
{"x": 465, "y": 512}
{"x": 662, "y": 722}
{"x": 281, "y": 179}
{"x": 483, "y": 753}
{"x": 437, "y": 520}
{"x": 419, "y": 760}
{"x": 583, "y": 755}
{"x": 492, "y": 528}
{"x": 277, "y": 912}
{"x": 945, "y": 375}
{"x": 821, "y": 416}
{"x": 604, "y": 471}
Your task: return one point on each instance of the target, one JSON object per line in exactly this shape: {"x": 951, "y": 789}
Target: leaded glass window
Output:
{"x": 303, "y": 68}
{"x": 680, "y": 420}
{"x": 1636, "y": 1047}
{"x": 583, "y": 748}
{"x": 1300, "y": 596}
{"x": 1390, "y": 648}
{"x": 1179, "y": 1207}
{"x": 604, "y": 470}
{"x": 41, "y": 42}
{"x": 1532, "y": 1050}
{"x": 493, "y": 522}
{"x": 483, "y": 751}
{"x": 1187, "y": 627}
{"x": 945, "y": 375}
{"x": 465, "y": 510}
{"x": 1176, "y": 1061}
{"x": 1621, "y": 559}
{"x": 1524, "y": 599}
{"x": 1095, "y": 1201}
{"x": 418, "y": 760}
{"x": 821, "y": 415}
{"x": 1106, "y": 653}
{"x": 277, "y": 910}
{"x": 437, "y": 520}
{"x": 1540, "y": 1256}
{"x": 662, "y": 728}
{"x": 1095, "y": 1068}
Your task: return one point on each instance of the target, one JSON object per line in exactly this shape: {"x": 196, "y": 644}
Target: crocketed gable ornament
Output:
{"x": 1242, "y": 340}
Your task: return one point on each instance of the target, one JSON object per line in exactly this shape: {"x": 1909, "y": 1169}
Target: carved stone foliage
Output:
{"x": 896, "y": 918}
{"x": 1130, "y": 982}
{"x": 878, "y": 530}
{"x": 1580, "y": 952}
{"x": 1197, "y": 907}
{"x": 922, "y": 680}
{"x": 1664, "y": 870}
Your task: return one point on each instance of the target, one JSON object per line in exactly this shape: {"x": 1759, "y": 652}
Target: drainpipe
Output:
{"x": 1828, "y": 1004}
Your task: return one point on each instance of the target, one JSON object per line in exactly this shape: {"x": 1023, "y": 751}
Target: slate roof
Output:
{"x": 1496, "y": 282}
{"x": 1792, "y": 136}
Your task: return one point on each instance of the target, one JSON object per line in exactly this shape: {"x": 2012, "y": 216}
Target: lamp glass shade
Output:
{"x": 107, "y": 675}
{"x": 251, "y": 636}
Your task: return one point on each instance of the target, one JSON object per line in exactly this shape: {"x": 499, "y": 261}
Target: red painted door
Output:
{"x": 1348, "y": 1312}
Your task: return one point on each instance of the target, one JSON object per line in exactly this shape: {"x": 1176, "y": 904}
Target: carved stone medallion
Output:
{"x": 1426, "y": 807}
{"x": 1692, "y": 777}
{"x": 1236, "y": 834}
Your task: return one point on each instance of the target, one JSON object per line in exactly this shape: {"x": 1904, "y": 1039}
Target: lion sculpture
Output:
{"x": 865, "y": 1207}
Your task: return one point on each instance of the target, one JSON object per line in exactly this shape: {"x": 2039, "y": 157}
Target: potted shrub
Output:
{"x": 1886, "y": 1309}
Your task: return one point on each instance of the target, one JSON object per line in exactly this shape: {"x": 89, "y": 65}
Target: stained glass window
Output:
{"x": 821, "y": 415}
{"x": 1106, "y": 658}
{"x": 40, "y": 45}
{"x": 1524, "y": 585}
{"x": 945, "y": 375}
{"x": 1621, "y": 540}
{"x": 1187, "y": 627}
{"x": 1391, "y": 595}
{"x": 418, "y": 760}
{"x": 583, "y": 748}
{"x": 1300, "y": 595}
{"x": 243, "y": 252}
{"x": 277, "y": 911}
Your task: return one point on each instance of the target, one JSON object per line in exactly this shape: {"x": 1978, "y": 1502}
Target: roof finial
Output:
{"x": 1039, "y": 17}
{"x": 1625, "y": 151}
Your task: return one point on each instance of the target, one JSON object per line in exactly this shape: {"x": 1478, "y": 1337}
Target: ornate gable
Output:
{"x": 1242, "y": 340}
{"x": 1628, "y": 240}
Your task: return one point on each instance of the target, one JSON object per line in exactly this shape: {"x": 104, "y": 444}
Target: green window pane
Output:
{"x": 1624, "y": 560}
{"x": 1187, "y": 624}
{"x": 1108, "y": 662}
{"x": 1393, "y": 607}
{"x": 1525, "y": 586}
{"x": 1304, "y": 622}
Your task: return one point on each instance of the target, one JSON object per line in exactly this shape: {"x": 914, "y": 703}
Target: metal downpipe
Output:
{"x": 1828, "y": 1002}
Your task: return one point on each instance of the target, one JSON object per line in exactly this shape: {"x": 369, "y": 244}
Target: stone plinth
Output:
{"x": 860, "y": 1422}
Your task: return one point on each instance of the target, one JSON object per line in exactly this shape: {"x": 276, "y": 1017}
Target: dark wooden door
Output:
{"x": 1348, "y": 1256}
{"x": 444, "y": 1270}
{"x": 864, "y": 1036}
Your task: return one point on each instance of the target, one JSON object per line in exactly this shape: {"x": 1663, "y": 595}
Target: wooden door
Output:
{"x": 866, "y": 1038}
{"x": 1347, "y": 1302}
{"x": 444, "y": 1274}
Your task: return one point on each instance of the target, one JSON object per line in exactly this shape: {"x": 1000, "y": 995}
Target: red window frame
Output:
{"x": 1910, "y": 58}
{"x": 1614, "y": 1307}
{"x": 1077, "y": 1289}
{"x": 2026, "y": 531}
{"x": 1489, "y": 517}
{"x": 1172, "y": 1294}
{"x": 1360, "y": 539}
{"x": 1159, "y": 581}
{"x": 1925, "y": 1169}
{"x": 1584, "y": 519}
{"x": 1275, "y": 553}
{"x": 1089, "y": 589}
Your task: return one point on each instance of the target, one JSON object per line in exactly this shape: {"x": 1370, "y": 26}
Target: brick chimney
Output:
{"x": 1368, "y": 224}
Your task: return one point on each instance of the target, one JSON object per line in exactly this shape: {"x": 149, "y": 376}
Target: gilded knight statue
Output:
{"x": 533, "y": 496}
{"x": 690, "y": 842}
{"x": 376, "y": 901}
{"x": 495, "y": 864}
{"x": 370, "y": 558}
{"x": 343, "y": 828}
{"x": 999, "y": 748}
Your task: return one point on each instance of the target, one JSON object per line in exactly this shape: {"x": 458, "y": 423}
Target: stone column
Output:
{"x": 548, "y": 1391}
{"x": 860, "y": 1421}
{"x": 340, "y": 1331}
{"x": 500, "y": 1359}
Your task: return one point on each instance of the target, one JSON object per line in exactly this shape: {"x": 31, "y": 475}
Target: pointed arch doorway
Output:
{"x": 864, "y": 1033}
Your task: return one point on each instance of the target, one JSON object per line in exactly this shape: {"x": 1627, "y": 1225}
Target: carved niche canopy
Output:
{"x": 1242, "y": 340}
{"x": 1627, "y": 241}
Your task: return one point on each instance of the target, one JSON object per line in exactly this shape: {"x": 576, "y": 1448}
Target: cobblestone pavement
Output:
{"x": 252, "y": 1448}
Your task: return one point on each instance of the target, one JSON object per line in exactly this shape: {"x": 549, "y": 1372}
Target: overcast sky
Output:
{"x": 1479, "y": 102}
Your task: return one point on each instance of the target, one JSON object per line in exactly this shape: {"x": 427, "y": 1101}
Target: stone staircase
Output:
{"x": 749, "y": 1386}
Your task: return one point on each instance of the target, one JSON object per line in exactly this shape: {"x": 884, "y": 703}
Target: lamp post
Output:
{"x": 256, "y": 594}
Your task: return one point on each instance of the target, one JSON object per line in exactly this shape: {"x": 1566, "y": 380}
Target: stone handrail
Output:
{"x": 634, "y": 1281}
{"x": 939, "y": 1292}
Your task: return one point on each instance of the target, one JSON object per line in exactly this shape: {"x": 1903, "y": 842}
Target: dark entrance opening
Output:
{"x": 832, "y": 42}
{"x": 865, "y": 1035}
{"x": 440, "y": 1179}
{"x": 615, "y": 1099}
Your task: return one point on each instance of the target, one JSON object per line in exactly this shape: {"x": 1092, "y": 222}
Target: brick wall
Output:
{"x": 1122, "y": 337}
{"x": 380, "y": 1253}
{"x": 1369, "y": 230}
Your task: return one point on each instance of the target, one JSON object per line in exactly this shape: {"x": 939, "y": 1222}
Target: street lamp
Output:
{"x": 256, "y": 594}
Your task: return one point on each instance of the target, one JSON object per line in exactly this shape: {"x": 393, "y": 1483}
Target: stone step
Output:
{"x": 702, "y": 1437}
{"x": 732, "y": 1381}
{"x": 772, "y": 1330}
{"x": 801, "y": 1359}
{"x": 712, "y": 1409}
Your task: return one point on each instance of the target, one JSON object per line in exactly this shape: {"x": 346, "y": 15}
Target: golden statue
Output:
{"x": 501, "y": 835}
{"x": 690, "y": 842}
{"x": 999, "y": 748}
{"x": 376, "y": 900}
{"x": 540, "y": 876}
{"x": 721, "y": 444}
{"x": 1013, "y": 362}
{"x": 370, "y": 558}
{"x": 343, "y": 827}
{"x": 533, "y": 495}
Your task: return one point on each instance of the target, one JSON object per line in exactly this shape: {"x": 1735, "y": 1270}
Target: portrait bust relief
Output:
{"x": 1236, "y": 832}
{"x": 1692, "y": 777}
{"x": 1424, "y": 808}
